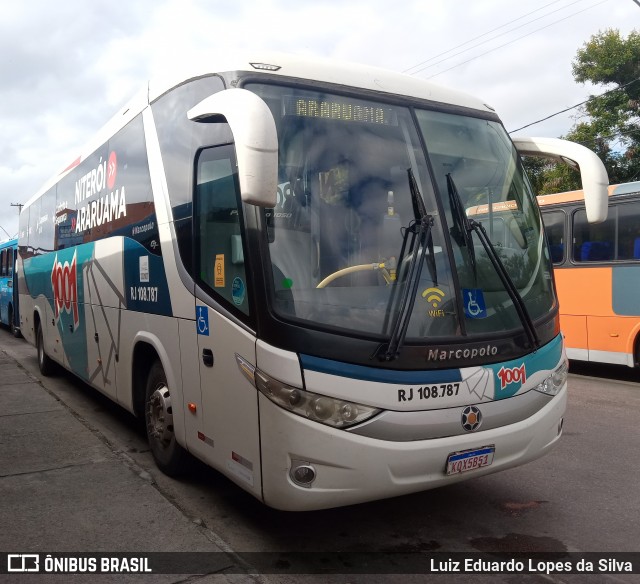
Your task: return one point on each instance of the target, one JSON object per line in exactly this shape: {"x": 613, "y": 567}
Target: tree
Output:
{"x": 609, "y": 124}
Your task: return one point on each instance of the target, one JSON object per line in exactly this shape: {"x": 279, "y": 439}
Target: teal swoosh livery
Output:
{"x": 496, "y": 381}
{"x": 510, "y": 376}
{"x": 87, "y": 284}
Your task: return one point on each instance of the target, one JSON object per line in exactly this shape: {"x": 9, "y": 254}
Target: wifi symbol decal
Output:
{"x": 433, "y": 296}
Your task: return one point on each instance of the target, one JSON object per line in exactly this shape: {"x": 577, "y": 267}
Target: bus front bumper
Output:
{"x": 350, "y": 469}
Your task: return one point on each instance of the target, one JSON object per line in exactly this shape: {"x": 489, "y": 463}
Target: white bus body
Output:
{"x": 227, "y": 258}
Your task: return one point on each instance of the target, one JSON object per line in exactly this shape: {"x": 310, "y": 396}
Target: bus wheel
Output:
{"x": 170, "y": 457}
{"x": 45, "y": 364}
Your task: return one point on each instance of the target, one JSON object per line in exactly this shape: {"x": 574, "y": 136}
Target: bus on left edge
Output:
{"x": 9, "y": 315}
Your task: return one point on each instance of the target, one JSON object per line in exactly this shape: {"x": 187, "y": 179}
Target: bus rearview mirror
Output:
{"x": 255, "y": 137}
{"x": 592, "y": 171}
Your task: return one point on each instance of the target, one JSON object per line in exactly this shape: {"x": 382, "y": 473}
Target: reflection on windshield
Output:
{"x": 418, "y": 237}
{"x": 344, "y": 203}
{"x": 478, "y": 159}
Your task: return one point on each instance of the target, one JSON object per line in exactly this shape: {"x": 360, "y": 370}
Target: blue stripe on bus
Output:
{"x": 470, "y": 453}
{"x": 380, "y": 375}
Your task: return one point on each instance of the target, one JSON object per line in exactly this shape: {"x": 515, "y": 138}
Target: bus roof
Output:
{"x": 571, "y": 196}
{"x": 286, "y": 66}
{"x": 13, "y": 242}
{"x": 329, "y": 71}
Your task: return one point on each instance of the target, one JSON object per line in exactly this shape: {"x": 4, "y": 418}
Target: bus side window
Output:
{"x": 628, "y": 231}
{"x": 554, "y": 225}
{"x": 593, "y": 242}
{"x": 218, "y": 244}
{"x": 3, "y": 263}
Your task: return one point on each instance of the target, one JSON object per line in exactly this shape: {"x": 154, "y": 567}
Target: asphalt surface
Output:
{"x": 76, "y": 475}
{"x": 65, "y": 488}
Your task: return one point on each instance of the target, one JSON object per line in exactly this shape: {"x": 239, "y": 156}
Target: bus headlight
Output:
{"x": 331, "y": 411}
{"x": 553, "y": 384}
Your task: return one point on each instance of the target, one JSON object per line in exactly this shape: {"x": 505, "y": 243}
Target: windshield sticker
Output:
{"x": 434, "y": 296}
{"x": 238, "y": 291}
{"x": 218, "y": 280}
{"x": 474, "y": 305}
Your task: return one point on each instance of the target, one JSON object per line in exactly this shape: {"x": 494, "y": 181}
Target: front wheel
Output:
{"x": 45, "y": 363}
{"x": 170, "y": 457}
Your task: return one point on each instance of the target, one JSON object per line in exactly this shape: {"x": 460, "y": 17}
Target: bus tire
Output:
{"x": 169, "y": 456}
{"x": 45, "y": 363}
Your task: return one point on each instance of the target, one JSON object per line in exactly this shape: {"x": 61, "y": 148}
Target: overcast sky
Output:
{"x": 66, "y": 67}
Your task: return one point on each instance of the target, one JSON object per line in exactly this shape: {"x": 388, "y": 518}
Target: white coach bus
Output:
{"x": 273, "y": 264}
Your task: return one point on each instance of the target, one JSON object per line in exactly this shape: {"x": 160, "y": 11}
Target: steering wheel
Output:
{"x": 352, "y": 270}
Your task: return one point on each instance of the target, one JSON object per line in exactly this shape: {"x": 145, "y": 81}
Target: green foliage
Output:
{"x": 609, "y": 123}
{"x": 609, "y": 58}
{"x": 547, "y": 177}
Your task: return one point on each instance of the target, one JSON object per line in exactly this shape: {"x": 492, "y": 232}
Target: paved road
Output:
{"x": 66, "y": 486}
{"x": 77, "y": 475}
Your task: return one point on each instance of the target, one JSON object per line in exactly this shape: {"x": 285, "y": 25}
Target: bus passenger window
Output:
{"x": 628, "y": 231}
{"x": 593, "y": 242}
{"x": 219, "y": 249}
{"x": 554, "y": 227}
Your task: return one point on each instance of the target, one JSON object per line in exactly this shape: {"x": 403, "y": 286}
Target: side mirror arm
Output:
{"x": 255, "y": 136}
{"x": 592, "y": 171}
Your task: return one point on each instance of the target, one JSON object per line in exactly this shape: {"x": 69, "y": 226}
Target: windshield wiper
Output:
{"x": 464, "y": 227}
{"x": 461, "y": 230}
{"x": 419, "y": 238}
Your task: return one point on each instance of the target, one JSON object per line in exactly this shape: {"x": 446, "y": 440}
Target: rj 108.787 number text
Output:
{"x": 144, "y": 293}
{"x": 429, "y": 392}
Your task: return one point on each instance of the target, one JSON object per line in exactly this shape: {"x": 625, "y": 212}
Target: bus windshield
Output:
{"x": 476, "y": 158}
{"x": 339, "y": 254}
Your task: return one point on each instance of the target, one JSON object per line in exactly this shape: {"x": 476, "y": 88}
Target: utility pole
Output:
{"x": 19, "y": 205}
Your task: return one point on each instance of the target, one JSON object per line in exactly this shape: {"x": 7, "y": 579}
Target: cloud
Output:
{"x": 67, "y": 67}
{"x": 52, "y": 95}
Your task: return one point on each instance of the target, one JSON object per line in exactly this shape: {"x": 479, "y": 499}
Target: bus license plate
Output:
{"x": 466, "y": 460}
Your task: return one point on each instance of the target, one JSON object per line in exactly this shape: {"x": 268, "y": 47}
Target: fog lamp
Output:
{"x": 302, "y": 473}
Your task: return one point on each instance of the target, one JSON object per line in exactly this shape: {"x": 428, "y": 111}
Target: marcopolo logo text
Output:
{"x": 438, "y": 354}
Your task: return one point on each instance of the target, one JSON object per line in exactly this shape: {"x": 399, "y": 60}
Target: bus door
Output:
{"x": 230, "y": 426}
{"x": 4, "y": 289}
{"x": 15, "y": 324}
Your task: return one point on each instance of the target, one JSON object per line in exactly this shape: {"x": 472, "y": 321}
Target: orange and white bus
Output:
{"x": 597, "y": 274}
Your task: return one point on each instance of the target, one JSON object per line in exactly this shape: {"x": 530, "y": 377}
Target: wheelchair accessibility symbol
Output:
{"x": 474, "y": 305}
{"x": 202, "y": 320}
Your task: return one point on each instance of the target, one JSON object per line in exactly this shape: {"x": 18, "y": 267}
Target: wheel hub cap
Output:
{"x": 160, "y": 415}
